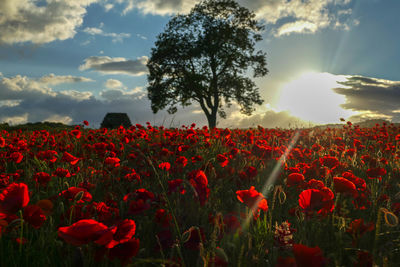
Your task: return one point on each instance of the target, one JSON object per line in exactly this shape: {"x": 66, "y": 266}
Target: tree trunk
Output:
{"x": 212, "y": 120}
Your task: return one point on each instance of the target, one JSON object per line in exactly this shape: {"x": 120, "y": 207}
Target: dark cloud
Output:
{"x": 372, "y": 97}
{"x": 117, "y": 65}
{"x": 27, "y": 100}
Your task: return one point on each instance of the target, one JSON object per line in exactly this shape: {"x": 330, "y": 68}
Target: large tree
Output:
{"x": 205, "y": 56}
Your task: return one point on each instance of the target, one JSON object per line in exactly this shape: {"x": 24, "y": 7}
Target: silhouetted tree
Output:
{"x": 204, "y": 56}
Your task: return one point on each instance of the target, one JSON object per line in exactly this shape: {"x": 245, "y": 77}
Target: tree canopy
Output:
{"x": 205, "y": 57}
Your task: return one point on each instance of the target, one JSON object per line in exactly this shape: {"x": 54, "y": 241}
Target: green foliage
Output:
{"x": 36, "y": 126}
{"x": 204, "y": 56}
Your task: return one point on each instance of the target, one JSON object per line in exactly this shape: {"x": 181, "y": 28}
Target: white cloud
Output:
{"x": 117, "y": 93}
{"x": 267, "y": 119}
{"x": 26, "y": 21}
{"x": 21, "y": 87}
{"x": 161, "y": 7}
{"x": 9, "y": 103}
{"x": 113, "y": 84}
{"x": 116, "y": 37}
{"x": 303, "y": 16}
{"x": 141, "y": 36}
{"x": 118, "y": 65}
{"x": 14, "y": 120}
{"x": 138, "y": 90}
{"x": 53, "y": 79}
{"x": 85, "y": 43}
{"x": 76, "y": 95}
{"x": 108, "y": 7}
{"x": 93, "y": 31}
{"x": 59, "y": 118}
{"x": 299, "y": 26}
{"x": 113, "y": 94}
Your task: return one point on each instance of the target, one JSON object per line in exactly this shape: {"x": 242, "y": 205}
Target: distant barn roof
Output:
{"x": 114, "y": 120}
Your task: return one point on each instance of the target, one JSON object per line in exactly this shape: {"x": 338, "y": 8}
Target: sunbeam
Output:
{"x": 272, "y": 178}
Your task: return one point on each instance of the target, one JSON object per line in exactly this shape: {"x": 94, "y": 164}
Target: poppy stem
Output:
{"x": 21, "y": 234}
{"x": 377, "y": 231}
{"x": 169, "y": 207}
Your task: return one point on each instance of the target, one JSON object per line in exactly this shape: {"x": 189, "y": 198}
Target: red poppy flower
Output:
{"x": 76, "y": 133}
{"x": 67, "y": 157}
{"x": 112, "y": 162}
{"x": 357, "y": 228}
{"x": 120, "y": 233}
{"x": 316, "y": 148}
{"x": 329, "y": 161}
{"x": 197, "y": 158}
{"x": 176, "y": 186}
{"x": 132, "y": 176}
{"x": 286, "y": 262}
{"x": 13, "y": 198}
{"x": 251, "y": 172}
{"x": 182, "y": 161}
{"x": 2, "y": 142}
{"x": 60, "y": 172}
{"x": 162, "y": 217}
{"x": 125, "y": 251}
{"x": 342, "y": 185}
{"x": 252, "y": 198}
{"x": 42, "y": 178}
{"x": 16, "y": 157}
{"x": 308, "y": 256}
{"x": 358, "y": 182}
{"x": 245, "y": 176}
{"x": 48, "y": 155}
{"x": 105, "y": 213}
{"x": 72, "y": 192}
{"x": 138, "y": 206}
{"x": 46, "y": 206}
{"x": 315, "y": 184}
{"x": 165, "y": 166}
{"x": 86, "y": 123}
{"x": 315, "y": 200}
{"x": 82, "y": 232}
{"x": 34, "y": 215}
{"x": 376, "y": 172}
{"x": 199, "y": 181}
{"x": 295, "y": 179}
{"x": 222, "y": 160}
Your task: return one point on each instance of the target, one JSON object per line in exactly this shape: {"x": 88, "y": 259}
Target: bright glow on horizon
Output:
{"x": 311, "y": 98}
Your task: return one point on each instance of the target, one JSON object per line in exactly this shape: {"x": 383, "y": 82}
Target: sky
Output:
{"x": 73, "y": 60}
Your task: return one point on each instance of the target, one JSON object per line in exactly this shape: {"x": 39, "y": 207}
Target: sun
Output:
{"x": 311, "y": 97}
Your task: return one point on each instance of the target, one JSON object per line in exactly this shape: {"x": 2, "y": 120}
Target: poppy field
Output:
{"x": 189, "y": 196}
